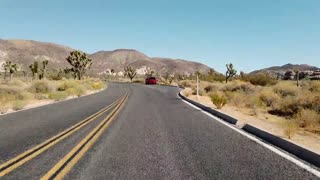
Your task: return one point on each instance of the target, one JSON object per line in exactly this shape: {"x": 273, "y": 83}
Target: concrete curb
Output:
{"x": 224, "y": 117}
{"x": 300, "y": 152}
{"x": 292, "y": 148}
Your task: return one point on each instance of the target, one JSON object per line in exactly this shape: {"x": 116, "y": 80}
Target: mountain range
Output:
{"x": 25, "y": 52}
{"x": 276, "y": 70}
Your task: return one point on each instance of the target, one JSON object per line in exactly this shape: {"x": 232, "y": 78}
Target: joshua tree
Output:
{"x": 297, "y": 77}
{"x": 44, "y": 68}
{"x": 34, "y": 67}
{"x": 130, "y": 72}
{"x": 230, "y": 72}
{"x": 9, "y": 67}
{"x": 211, "y": 72}
{"x": 166, "y": 76}
{"x": 150, "y": 72}
{"x": 242, "y": 74}
{"x": 80, "y": 63}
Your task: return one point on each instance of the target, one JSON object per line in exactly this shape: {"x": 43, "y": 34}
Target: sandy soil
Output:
{"x": 262, "y": 120}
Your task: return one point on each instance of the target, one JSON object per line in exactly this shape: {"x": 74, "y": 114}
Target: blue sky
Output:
{"x": 251, "y": 34}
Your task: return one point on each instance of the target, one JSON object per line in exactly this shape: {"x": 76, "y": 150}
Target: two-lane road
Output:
{"x": 155, "y": 136}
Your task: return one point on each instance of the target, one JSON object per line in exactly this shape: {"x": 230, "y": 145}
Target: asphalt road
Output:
{"x": 154, "y": 136}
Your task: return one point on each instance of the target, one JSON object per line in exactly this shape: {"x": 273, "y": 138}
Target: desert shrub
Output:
{"x": 185, "y": 84}
{"x": 58, "y": 95}
{"x": 218, "y": 100}
{"x": 210, "y": 88}
{"x": 291, "y": 106}
{"x": 316, "y": 103}
{"x": 187, "y": 93}
{"x": 18, "y": 104}
{"x": 261, "y": 79}
{"x": 71, "y": 91}
{"x": 24, "y": 96}
{"x": 40, "y": 96}
{"x": 4, "y": 108}
{"x": 307, "y": 118}
{"x": 290, "y": 129}
{"x": 79, "y": 90}
{"x": 16, "y": 82}
{"x": 66, "y": 84}
{"x": 314, "y": 86}
{"x": 269, "y": 98}
{"x": 40, "y": 87}
{"x": 233, "y": 87}
{"x": 194, "y": 91}
{"x": 236, "y": 98}
{"x": 9, "y": 93}
{"x": 137, "y": 81}
{"x": 287, "y": 107}
{"x": 285, "y": 90}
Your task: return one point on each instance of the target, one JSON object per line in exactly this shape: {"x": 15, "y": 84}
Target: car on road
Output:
{"x": 151, "y": 80}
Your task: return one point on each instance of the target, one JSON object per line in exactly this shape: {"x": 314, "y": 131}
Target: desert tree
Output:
{"x": 34, "y": 67}
{"x": 130, "y": 72}
{"x": 10, "y": 68}
{"x": 230, "y": 71}
{"x": 242, "y": 74}
{"x": 43, "y": 69}
{"x": 168, "y": 77}
{"x": 297, "y": 77}
{"x": 211, "y": 72}
{"x": 149, "y": 72}
{"x": 79, "y": 62}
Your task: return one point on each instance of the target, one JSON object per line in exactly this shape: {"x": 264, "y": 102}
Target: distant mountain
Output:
{"x": 274, "y": 70}
{"x": 24, "y": 52}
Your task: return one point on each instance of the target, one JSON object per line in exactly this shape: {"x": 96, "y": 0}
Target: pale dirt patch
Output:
{"x": 262, "y": 120}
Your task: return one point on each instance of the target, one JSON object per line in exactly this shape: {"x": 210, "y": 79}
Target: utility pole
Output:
{"x": 197, "y": 86}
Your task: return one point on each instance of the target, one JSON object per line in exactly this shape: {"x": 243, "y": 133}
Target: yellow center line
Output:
{"x": 68, "y": 161}
{"x": 22, "y": 158}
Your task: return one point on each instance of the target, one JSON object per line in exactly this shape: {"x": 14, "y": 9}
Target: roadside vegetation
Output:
{"x": 40, "y": 85}
{"x": 298, "y": 107}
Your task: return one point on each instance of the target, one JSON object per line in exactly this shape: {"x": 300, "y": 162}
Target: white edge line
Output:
{"x": 255, "y": 139}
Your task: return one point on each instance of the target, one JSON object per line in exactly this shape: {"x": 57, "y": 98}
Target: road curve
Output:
{"x": 155, "y": 136}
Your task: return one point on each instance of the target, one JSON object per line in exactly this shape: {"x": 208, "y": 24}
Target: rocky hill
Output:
{"x": 24, "y": 52}
{"x": 281, "y": 70}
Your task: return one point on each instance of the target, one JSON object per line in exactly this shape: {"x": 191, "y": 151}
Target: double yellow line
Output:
{"x": 26, "y": 156}
{"x": 68, "y": 161}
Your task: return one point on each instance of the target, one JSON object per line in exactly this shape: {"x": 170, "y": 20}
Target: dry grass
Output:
{"x": 300, "y": 105}
{"x": 16, "y": 94}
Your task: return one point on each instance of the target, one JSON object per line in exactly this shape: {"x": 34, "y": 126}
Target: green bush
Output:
{"x": 218, "y": 100}
{"x": 58, "y": 95}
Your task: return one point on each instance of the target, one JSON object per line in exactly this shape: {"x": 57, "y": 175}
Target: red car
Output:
{"x": 151, "y": 80}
